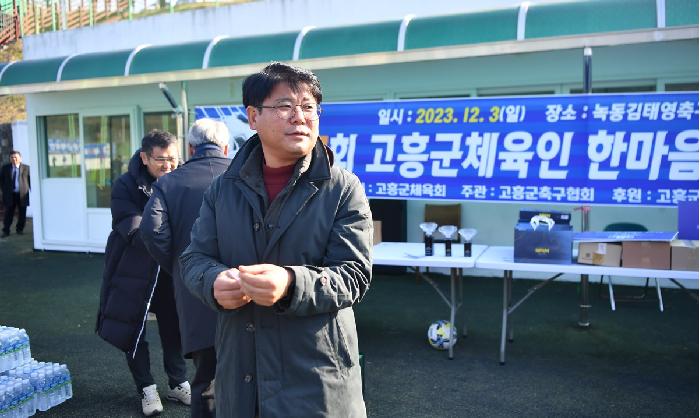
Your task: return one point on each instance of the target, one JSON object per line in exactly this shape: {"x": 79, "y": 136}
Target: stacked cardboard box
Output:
{"x": 377, "y": 238}
{"x": 684, "y": 255}
{"x": 600, "y": 253}
{"x": 647, "y": 254}
{"x": 647, "y": 250}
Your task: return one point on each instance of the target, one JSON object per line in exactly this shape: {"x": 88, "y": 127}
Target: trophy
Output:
{"x": 467, "y": 234}
{"x": 448, "y": 231}
{"x": 428, "y": 229}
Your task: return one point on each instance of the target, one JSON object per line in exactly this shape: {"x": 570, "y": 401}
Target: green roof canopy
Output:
{"x": 350, "y": 40}
{"x": 429, "y": 32}
{"x": 99, "y": 64}
{"x": 681, "y": 12}
{"x": 557, "y": 19}
{"x": 158, "y": 59}
{"x": 238, "y": 51}
{"x": 512, "y": 24}
{"x": 29, "y": 72}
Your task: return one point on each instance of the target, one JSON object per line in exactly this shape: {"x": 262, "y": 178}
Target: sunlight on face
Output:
{"x": 160, "y": 161}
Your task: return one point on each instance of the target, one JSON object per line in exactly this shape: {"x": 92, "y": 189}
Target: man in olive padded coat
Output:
{"x": 165, "y": 228}
{"x": 281, "y": 250}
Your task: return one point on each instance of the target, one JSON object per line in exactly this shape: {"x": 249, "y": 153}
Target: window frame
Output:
{"x": 134, "y": 131}
{"x": 43, "y": 146}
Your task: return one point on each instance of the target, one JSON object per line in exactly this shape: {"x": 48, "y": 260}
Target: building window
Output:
{"x": 681, "y": 87}
{"x": 505, "y": 93}
{"x": 61, "y": 140}
{"x": 433, "y": 96}
{"x": 163, "y": 121}
{"x": 107, "y": 153}
{"x": 621, "y": 89}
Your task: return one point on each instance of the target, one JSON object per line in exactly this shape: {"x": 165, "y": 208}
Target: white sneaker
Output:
{"x": 180, "y": 393}
{"x": 150, "y": 401}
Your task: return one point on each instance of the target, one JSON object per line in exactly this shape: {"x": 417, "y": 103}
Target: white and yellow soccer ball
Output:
{"x": 442, "y": 335}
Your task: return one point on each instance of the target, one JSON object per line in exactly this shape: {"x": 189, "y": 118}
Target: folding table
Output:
{"x": 412, "y": 254}
{"x": 501, "y": 258}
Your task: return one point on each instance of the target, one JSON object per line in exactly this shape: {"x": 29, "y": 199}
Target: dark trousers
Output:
{"x": 15, "y": 203}
{"x": 205, "y": 369}
{"x": 163, "y": 305}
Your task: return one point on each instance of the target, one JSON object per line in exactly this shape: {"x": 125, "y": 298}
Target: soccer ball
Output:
{"x": 442, "y": 335}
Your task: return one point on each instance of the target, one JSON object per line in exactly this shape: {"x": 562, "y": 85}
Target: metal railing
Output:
{"x": 19, "y": 18}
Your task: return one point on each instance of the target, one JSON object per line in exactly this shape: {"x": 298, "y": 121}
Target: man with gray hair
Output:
{"x": 167, "y": 220}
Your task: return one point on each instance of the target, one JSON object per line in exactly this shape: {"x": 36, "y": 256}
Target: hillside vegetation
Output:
{"x": 12, "y": 108}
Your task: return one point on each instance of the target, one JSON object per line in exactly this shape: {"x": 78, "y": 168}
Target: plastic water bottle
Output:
{"x": 68, "y": 391}
{"x": 25, "y": 352}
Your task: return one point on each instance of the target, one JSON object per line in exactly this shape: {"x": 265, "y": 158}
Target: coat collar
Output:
{"x": 317, "y": 165}
{"x": 206, "y": 152}
{"x": 140, "y": 173}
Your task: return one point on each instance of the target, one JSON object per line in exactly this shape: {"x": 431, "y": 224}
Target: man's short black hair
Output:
{"x": 259, "y": 86}
{"x": 14, "y": 151}
{"x": 157, "y": 138}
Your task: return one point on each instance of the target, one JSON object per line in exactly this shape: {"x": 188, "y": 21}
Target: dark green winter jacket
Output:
{"x": 298, "y": 358}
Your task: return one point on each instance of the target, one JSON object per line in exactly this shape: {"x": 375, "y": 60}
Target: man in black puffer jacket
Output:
{"x": 133, "y": 284}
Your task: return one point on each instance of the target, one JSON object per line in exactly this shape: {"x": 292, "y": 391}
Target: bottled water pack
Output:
{"x": 14, "y": 348}
{"x": 27, "y": 385}
{"x": 50, "y": 382}
{"x": 17, "y": 398}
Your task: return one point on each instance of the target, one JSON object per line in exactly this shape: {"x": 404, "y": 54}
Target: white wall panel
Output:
{"x": 63, "y": 210}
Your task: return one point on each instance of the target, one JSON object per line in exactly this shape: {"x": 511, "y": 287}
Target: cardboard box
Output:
{"x": 600, "y": 253}
{"x": 542, "y": 245}
{"x": 377, "y": 238}
{"x": 684, "y": 255}
{"x": 646, "y": 254}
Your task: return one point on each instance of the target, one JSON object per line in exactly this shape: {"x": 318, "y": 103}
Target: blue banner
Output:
{"x": 631, "y": 149}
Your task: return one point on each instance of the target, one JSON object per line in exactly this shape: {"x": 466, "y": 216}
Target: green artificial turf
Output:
{"x": 636, "y": 361}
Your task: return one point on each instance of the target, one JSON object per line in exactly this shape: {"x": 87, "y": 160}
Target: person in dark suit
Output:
{"x": 14, "y": 178}
{"x": 165, "y": 228}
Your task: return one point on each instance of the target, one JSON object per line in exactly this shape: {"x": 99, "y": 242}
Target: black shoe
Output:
{"x": 20, "y": 232}
{"x": 5, "y": 235}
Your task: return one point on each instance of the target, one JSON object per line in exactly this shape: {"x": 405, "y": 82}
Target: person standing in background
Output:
{"x": 165, "y": 228}
{"x": 14, "y": 178}
{"x": 133, "y": 284}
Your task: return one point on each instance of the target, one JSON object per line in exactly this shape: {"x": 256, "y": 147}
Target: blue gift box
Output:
{"x": 688, "y": 220}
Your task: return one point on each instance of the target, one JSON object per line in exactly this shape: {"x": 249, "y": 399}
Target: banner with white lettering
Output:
{"x": 631, "y": 149}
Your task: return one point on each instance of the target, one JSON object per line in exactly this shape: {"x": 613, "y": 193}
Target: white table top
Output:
{"x": 412, "y": 254}
{"x": 501, "y": 258}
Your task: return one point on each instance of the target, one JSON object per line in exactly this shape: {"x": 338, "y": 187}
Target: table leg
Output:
{"x": 658, "y": 294}
{"x": 453, "y": 304}
{"x": 510, "y": 304}
{"x": 504, "y": 319}
{"x": 585, "y": 304}
{"x": 460, "y": 277}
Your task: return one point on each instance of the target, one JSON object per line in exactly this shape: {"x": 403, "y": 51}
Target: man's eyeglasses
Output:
{"x": 311, "y": 111}
{"x": 163, "y": 160}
